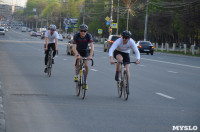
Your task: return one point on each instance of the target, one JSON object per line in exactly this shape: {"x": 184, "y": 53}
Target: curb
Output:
{"x": 2, "y": 113}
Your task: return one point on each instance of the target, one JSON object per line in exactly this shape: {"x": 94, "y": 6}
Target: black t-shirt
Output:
{"x": 82, "y": 43}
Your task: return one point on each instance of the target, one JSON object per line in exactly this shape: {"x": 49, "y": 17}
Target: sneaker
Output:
{"x": 116, "y": 77}
{"x": 45, "y": 70}
{"x": 52, "y": 61}
{"x": 85, "y": 86}
{"x": 75, "y": 79}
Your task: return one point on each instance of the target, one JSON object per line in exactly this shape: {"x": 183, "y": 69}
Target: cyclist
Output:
{"x": 121, "y": 48}
{"x": 81, "y": 49}
{"x": 51, "y": 40}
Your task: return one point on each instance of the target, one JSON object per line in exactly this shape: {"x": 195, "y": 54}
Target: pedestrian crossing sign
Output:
{"x": 114, "y": 25}
{"x": 99, "y": 31}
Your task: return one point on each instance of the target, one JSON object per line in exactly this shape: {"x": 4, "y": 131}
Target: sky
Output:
{"x": 15, "y": 2}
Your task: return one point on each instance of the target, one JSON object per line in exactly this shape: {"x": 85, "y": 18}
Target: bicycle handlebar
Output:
{"x": 84, "y": 59}
{"x": 123, "y": 63}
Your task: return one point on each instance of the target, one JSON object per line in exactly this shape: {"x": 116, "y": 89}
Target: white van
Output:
{"x": 24, "y": 29}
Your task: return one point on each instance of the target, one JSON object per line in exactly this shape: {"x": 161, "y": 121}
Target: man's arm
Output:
{"x": 74, "y": 50}
{"x": 45, "y": 45}
{"x": 92, "y": 49}
{"x": 56, "y": 43}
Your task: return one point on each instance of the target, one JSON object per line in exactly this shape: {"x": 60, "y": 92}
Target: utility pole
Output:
{"x": 127, "y": 18}
{"x": 146, "y": 21}
{"x": 111, "y": 16}
{"x": 84, "y": 13}
{"x": 117, "y": 19}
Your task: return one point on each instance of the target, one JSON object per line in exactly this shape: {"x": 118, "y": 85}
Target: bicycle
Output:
{"x": 81, "y": 84}
{"x": 123, "y": 83}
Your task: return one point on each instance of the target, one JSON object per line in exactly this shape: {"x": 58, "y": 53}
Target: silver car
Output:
{"x": 2, "y": 30}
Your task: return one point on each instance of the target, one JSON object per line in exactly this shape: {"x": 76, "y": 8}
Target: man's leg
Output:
{"x": 87, "y": 70}
{"x": 127, "y": 70}
{"x": 118, "y": 66}
{"x": 46, "y": 60}
{"x": 76, "y": 70}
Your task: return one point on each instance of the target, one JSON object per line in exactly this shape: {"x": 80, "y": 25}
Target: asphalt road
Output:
{"x": 164, "y": 91}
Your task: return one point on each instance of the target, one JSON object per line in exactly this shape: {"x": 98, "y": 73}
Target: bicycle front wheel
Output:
{"x": 49, "y": 66}
{"x": 119, "y": 86}
{"x": 126, "y": 85}
{"x": 83, "y": 88}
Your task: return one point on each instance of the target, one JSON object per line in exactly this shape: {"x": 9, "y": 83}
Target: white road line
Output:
{"x": 166, "y": 96}
{"x": 172, "y": 63}
{"x": 64, "y": 59}
{"x": 140, "y": 65}
{"x": 172, "y": 71}
{"x": 94, "y": 70}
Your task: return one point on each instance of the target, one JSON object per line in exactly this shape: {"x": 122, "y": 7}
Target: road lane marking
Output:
{"x": 64, "y": 59}
{"x": 172, "y": 72}
{"x": 140, "y": 65}
{"x": 94, "y": 70}
{"x": 164, "y": 95}
{"x": 172, "y": 63}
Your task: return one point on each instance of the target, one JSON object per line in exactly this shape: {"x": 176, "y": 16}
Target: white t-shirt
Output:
{"x": 51, "y": 38}
{"x": 118, "y": 45}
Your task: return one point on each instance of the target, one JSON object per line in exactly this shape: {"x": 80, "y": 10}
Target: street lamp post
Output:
{"x": 146, "y": 21}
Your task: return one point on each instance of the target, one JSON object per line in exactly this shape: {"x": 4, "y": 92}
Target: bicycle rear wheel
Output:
{"x": 78, "y": 85}
{"x": 83, "y": 90}
{"x": 126, "y": 85}
{"x": 119, "y": 86}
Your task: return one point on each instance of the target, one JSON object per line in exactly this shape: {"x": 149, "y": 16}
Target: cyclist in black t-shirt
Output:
{"x": 81, "y": 48}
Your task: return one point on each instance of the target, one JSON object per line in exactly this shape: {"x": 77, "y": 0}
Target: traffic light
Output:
{"x": 110, "y": 29}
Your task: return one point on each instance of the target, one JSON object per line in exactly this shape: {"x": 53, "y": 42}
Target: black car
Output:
{"x": 145, "y": 47}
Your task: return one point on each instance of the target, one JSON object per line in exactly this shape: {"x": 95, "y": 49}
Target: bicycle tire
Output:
{"x": 78, "y": 86}
{"x": 125, "y": 85}
{"x": 49, "y": 64}
{"x": 119, "y": 86}
{"x": 83, "y": 90}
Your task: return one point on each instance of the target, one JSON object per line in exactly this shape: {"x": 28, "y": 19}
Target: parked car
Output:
{"x": 2, "y": 30}
{"x": 38, "y": 33}
{"x": 108, "y": 43}
{"x": 145, "y": 47}
{"x": 43, "y": 34}
{"x": 33, "y": 33}
{"x": 60, "y": 37}
{"x": 23, "y": 29}
{"x": 69, "y": 48}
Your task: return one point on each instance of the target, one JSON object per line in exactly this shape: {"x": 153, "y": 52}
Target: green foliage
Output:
{"x": 168, "y": 20}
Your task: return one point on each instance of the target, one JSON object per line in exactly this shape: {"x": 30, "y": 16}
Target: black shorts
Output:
{"x": 126, "y": 57}
{"x": 84, "y": 53}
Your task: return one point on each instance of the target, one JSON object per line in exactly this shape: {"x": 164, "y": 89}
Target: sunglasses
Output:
{"x": 126, "y": 37}
{"x": 83, "y": 31}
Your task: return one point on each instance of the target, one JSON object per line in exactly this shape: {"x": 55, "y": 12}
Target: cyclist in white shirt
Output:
{"x": 121, "y": 49}
{"x": 51, "y": 40}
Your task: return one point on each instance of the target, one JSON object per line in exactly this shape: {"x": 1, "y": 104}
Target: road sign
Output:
{"x": 99, "y": 31}
{"x": 107, "y": 18}
{"x": 107, "y": 23}
{"x": 66, "y": 27}
{"x": 114, "y": 25}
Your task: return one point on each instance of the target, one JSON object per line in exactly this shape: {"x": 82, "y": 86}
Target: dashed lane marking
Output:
{"x": 166, "y": 96}
{"x": 94, "y": 70}
{"x": 172, "y": 72}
